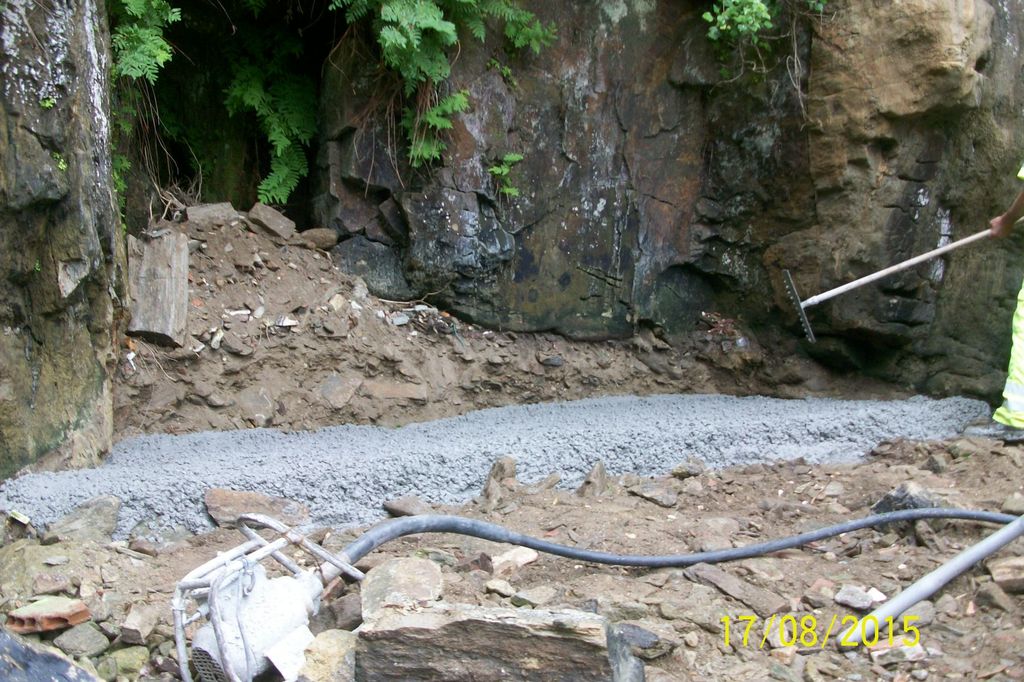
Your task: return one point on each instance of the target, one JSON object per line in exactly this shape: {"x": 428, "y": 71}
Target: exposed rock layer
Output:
{"x": 63, "y": 258}
{"x": 653, "y": 189}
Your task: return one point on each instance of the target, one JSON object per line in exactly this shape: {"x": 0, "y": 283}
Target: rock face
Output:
{"x": 652, "y": 189}
{"x": 63, "y": 260}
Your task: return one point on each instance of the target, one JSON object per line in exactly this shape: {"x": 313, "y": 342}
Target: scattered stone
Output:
{"x": 924, "y": 611}
{"x": 207, "y": 216}
{"x": 348, "y": 610}
{"x": 323, "y": 238}
{"x": 225, "y": 506}
{"x": 820, "y": 594}
{"x": 139, "y": 624}
{"x": 948, "y": 605}
{"x": 936, "y": 463}
{"x": 501, "y": 477}
{"x": 233, "y": 343}
{"x": 403, "y": 583}
{"x": 909, "y": 495}
{"x": 50, "y": 613}
{"x": 51, "y": 583}
{"x": 511, "y": 561}
{"x": 407, "y": 505}
{"x": 1008, "y": 573}
{"x": 596, "y": 482}
{"x": 158, "y": 288}
{"x": 550, "y": 360}
{"x": 499, "y": 587}
{"x": 854, "y": 596}
{"x": 764, "y": 602}
{"x": 440, "y": 557}
{"x": 144, "y": 546}
{"x": 94, "y": 520}
{"x": 658, "y": 491}
{"x": 927, "y": 537}
{"x": 889, "y": 656}
{"x": 216, "y": 400}
{"x": 338, "y": 390}
{"x": 645, "y": 642}
{"x": 1014, "y": 504}
{"x": 549, "y": 482}
{"x": 689, "y": 468}
{"x": 331, "y": 657}
{"x": 535, "y": 596}
{"x": 714, "y": 533}
{"x": 256, "y": 406}
{"x": 272, "y": 220}
{"x": 490, "y": 644}
{"x": 127, "y": 662}
{"x": 481, "y": 562}
{"x": 877, "y": 596}
{"x": 833, "y": 489}
{"x": 85, "y": 639}
{"x": 616, "y": 610}
{"x": 992, "y": 595}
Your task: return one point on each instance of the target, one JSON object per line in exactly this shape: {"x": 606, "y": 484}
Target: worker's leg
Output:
{"x": 1011, "y": 413}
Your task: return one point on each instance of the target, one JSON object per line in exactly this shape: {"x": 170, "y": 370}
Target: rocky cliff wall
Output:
{"x": 60, "y": 274}
{"x": 654, "y": 189}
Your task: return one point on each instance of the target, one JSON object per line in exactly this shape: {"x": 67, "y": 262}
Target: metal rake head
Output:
{"x": 795, "y": 298}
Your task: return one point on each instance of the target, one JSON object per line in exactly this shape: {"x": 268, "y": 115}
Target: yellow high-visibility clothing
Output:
{"x": 1011, "y": 412}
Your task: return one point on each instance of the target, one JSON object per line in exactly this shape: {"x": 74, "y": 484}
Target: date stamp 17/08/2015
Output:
{"x": 807, "y": 632}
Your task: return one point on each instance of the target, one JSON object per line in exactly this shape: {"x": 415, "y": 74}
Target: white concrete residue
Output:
{"x": 945, "y": 237}
{"x": 617, "y": 10}
{"x": 97, "y": 77}
{"x": 30, "y": 82}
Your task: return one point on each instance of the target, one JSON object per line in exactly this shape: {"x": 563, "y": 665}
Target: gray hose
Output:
{"x": 932, "y": 583}
{"x": 430, "y": 523}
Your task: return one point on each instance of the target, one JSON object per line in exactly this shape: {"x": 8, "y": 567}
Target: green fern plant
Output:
{"x": 423, "y": 128}
{"x": 415, "y": 38}
{"x": 501, "y": 171}
{"x": 504, "y": 71}
{"x": 285, "y": 106}
{"x": 137, "y": 39}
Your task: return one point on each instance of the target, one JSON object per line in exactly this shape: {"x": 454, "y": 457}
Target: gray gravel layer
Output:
{"x": 344, "y": 473}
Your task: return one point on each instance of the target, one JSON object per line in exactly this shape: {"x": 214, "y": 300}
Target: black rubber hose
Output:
{"x": 429, "y": 523}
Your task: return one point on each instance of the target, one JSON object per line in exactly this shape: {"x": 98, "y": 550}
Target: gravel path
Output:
{"x": 344, "y": 473}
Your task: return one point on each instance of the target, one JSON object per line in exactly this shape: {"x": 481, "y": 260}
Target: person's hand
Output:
{"x": 1000, "y": 226}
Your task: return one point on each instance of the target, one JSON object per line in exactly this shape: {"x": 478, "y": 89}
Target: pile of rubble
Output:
{"x": 239, "y": 321}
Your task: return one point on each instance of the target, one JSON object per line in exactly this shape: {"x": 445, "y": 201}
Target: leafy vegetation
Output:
{"x": 501, "y": 171}
{"x": 423, "y": 129}
{"x": 265, "y": 82}
{"x": 137, "y": 38}
{"x": 738, "y": 19}
{"x": 745, "y": 30}
{"x": 284, "y": 103}
{"x": 415, "y": 37}
{"x": 62, "y": 163}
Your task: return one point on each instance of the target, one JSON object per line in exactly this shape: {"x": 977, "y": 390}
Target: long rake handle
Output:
{"x": 867, "y": 279}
